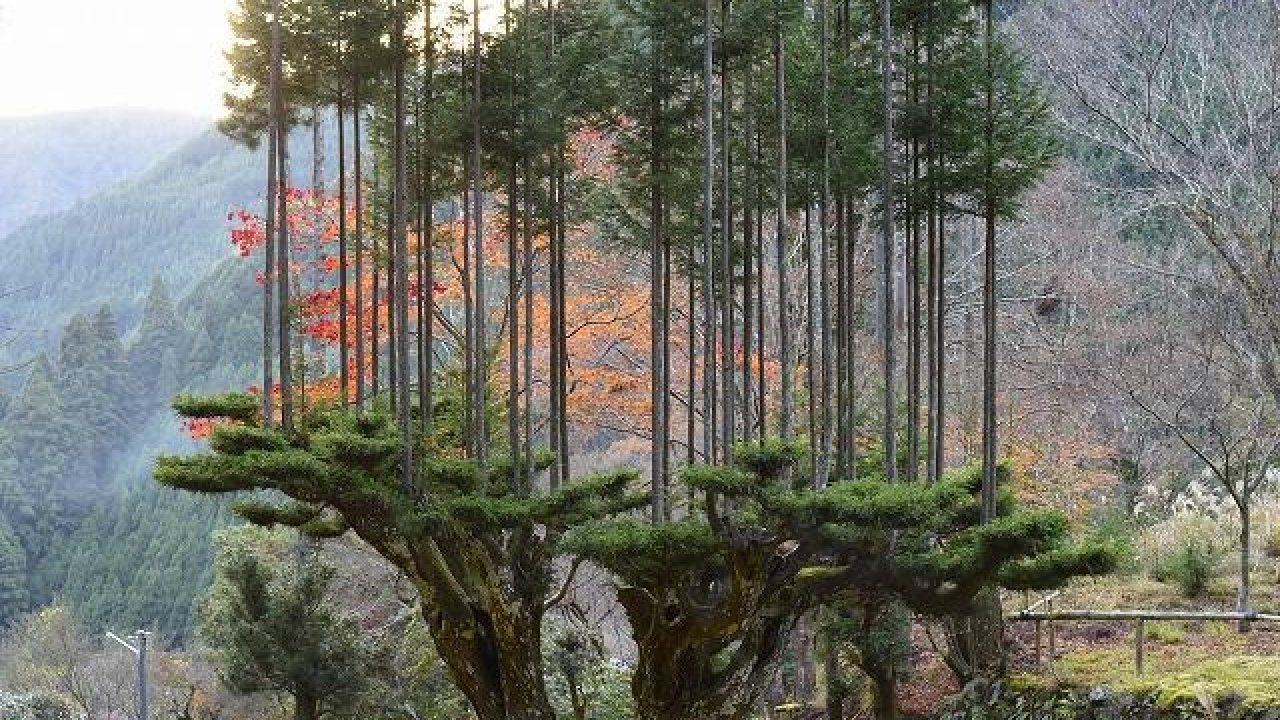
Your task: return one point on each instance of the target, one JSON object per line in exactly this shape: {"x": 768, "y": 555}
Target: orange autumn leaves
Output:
{"x": 607, "y": 303}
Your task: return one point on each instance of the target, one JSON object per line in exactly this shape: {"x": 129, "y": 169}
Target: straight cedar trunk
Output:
{"x": 691, "y": 361}
{"x": 400, "y": 229}
{"x": 393, "y": 295}
{"x": 375, "y": 319}
{"x": 914, "y": 352}
{"x": 481, "y": 347}
{"x": 989, "y": 439}
{"x": 657, "y": 288}
{"x": 709, "y": 375}
{"x": 426, "y": 234}
{"x": 728, "y": 391}
{"x": 556, "y": 278}
{"x": 888, "y": 315}
{"x": 562, "y": 338}
{"x": 527, "y": 284}
{"x": 344, "y": 305}
{"x": 526, "y": 269}
{"x": 762, "y": 406}
{"x": 938, "y": 446}
{"x": 823, "y": 456}
{"x": 513, "y": 289}
{"x": 553, "y": 316}
{"x": 468, "y": 313}
{"x": 269, "y": 264}
{"x": 811, "y": 330}
{"x": 666, "y": 362}
{"x": 361, "y": 339}
{"x": 282, "y": 226}
{"x": 842, "y": 360}
{"x": 787, "y": 357}
{"x": 934, "y": 280}
{"x": 750, "y": 414}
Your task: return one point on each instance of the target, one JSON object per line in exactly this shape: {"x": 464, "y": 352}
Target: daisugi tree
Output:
{"x": 537, "y": 243}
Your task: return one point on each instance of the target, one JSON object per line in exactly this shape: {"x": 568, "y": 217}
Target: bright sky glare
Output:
{"x": 58, "y": 55}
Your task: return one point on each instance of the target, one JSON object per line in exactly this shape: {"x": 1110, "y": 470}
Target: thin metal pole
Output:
{"x": 143, "y": 710}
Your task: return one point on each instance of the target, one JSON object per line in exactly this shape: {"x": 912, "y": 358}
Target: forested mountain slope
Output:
{"x": 170, "y": 221}
{"x": 49, "y": 162}
{"x": 120, "y": 301}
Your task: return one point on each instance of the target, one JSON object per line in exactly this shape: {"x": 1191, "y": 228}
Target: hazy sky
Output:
{"x": 58, "y": 55}
{"x": 73, "y": 54}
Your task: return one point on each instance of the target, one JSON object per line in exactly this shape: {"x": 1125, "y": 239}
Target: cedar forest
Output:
{"x": 674, "y": 360}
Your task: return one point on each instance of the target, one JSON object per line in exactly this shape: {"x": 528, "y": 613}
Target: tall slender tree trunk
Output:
{"x": 750, "y": 415}
{"x": 787, "y": 357}
{"x": 812, "y": 349}
{"x": 513, "y": 284}
{"x": 268, "y": 247}
{"x": 728, "y": 390}
{"x": 556, "y": 278}
{"x": 356, "y": 109}
{"x": 468, "y": 311}
{"x": 709, "y": 374}
{"x": 282, "y": 225}
{"x": 375, "y": 301}
{"x": 762, "y": 400}
{"x": 989, "y": 440}
{"x": 553, "y": 315}
{"x": 426, "y": 234}
{"x": 914, "y": 353}
{"x": 481, "y": 379}
{"x": 934, "y": 278}
{"x": 657, "y": 289}
{"x": 527, "y": 284}
{"x": 393, "y": 261}
{"x": 823, "y": 456}
{"x": 889, "y": 315}
{"x": 344, "y": 285}
{"x": 526, "y": 260}
{"x": 562, "y": 337}
{"x": 400, "y": 227}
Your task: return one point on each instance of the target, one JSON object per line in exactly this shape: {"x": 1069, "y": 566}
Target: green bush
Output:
{"x": 1190, "y": 567}
{"x": 1119, "y": 534}
{"x": 1271, "y": 543}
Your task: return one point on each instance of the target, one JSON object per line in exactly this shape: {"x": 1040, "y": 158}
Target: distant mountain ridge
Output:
{"x": 48, "y": 162}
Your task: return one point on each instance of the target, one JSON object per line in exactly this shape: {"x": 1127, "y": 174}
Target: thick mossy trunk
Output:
{"x": 496, "y": 661}
{"x": 688, "y": 669}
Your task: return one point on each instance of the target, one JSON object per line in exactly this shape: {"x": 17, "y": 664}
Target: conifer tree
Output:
{"x": 271, "y": 623}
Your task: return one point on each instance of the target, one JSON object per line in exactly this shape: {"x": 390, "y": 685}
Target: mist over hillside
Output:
{"x": 49, "y": 162}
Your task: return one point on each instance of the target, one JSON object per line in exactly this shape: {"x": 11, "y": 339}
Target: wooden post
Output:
{"x": 1039, "y": 661}
{"x": 1139, "y": 644}
{"x": 1052, "y": 638}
